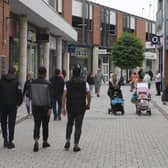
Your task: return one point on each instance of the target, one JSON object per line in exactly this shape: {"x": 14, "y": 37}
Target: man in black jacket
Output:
{"x": 58, "y": 88}
{"x": 10, "y": 98}
{"x": 40, "y": 93}
{"x": 75, "y": 93}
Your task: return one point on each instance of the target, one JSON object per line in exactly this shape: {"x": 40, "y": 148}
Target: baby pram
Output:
{"x": 116, "y": 101}
{"x": 143, "y": 99}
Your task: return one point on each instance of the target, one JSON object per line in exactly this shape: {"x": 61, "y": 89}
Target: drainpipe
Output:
{"x": 3, "y": 22}
{"x": 164, "y": 44}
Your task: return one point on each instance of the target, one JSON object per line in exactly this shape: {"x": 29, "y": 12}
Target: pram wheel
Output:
{"x": 109, "y": 111}
{"x": 138, "y": 112}
{"x": 149, "y": 112}
{"x": 114, "y": 112}
{"x": 122, "y": 112}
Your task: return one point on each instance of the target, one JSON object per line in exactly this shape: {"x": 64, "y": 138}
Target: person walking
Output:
{"x": 10, "y": 97}
{"x": 164, "y": 97}
{"x": 91, "y": 82}
{"x": 158, "y": 83}
{"x": 134, "y": 79}
{"x": 75, "y": 93}
{"x": 147, "y": 79}
{"x": 41, "y": 96}
{"x": 26, "y": 92}
{"x": 58, "y": 87}
{"x": 98, "y": 80}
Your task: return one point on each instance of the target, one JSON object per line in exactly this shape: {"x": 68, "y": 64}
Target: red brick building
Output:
{"x": 4, "y": 35}
{"x": 97, "y": 28}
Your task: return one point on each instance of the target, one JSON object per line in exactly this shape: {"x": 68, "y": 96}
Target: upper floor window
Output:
{"x": 82, "y": 9}
{"x": 82, "y": 15}
{"x": 108, "y": 21}
{"x": 77, "y": 8}
{"x": 56, "y": 4}
{"x": 129, "y": 23}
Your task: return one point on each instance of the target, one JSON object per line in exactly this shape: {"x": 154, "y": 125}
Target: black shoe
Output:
{"x": 76, "y": 149}
{"x": 67, "y": 146}
{"x": 46, "y": 145}
{"x": 59, "y": 117}
{"x": 11, "y": 145}
{"x": 6, "y": 143}
{"x": 36, "y": 147}
{"x": 55, "y": 118}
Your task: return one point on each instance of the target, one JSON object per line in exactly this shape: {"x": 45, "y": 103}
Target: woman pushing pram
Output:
{"x": 143, "y": 98}
{"x": 116, "y": 97}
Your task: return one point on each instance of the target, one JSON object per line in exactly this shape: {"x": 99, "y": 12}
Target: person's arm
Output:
{"x": 51, "y": 101}
{"x": 24, "y": 88}
{"x": 64, "y": 102}
{"x": 88, "y": 96}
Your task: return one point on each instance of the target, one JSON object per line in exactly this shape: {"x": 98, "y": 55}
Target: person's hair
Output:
{"x": 76, "y": 72}
{"x": 30, "y": 73}
{"x": 57, "y": 71}
{"x": 12, "y": 70}
{"x": 42, "y": 71}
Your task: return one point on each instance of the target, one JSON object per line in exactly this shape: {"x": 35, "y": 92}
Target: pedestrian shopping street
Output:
{"x": 107, "y": 141}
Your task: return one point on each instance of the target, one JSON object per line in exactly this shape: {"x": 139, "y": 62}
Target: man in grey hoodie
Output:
{"x": 40, "y": 91}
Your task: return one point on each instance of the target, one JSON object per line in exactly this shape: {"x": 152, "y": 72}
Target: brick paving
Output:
{"x": 107, "y": 141}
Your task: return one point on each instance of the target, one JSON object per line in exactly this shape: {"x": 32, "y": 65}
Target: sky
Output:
{"x": 144, "y": 8}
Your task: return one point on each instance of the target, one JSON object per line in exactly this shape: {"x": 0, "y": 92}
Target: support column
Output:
{"x": 95, "y": 59}
{"x": 67, "y": 63}
{"x": 47, "y": 57}
{"x": 59, "y": 53}
{"x": 23, "y": 50}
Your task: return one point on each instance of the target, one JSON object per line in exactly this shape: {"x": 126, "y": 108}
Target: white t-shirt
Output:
{"x": 87, "y": 87}
{"x": 158, "y": 78}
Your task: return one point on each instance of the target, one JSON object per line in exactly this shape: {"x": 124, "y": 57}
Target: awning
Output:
{"x": 42, "y": 15}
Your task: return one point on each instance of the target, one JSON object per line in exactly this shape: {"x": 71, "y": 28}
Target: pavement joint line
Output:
{"x": 161, "y": 110}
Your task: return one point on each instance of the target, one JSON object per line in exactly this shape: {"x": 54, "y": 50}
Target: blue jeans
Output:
{"x": 56, "y": 112}
{"x": 8, "y": 116}
{"x": 28, "y": 105}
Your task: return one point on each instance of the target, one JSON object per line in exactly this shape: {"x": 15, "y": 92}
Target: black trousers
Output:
{"x": 8, "y": 117}
{"x": 40, "y": 115}
{"x": 78, "y": 119}
{"x": 158, "y": 85}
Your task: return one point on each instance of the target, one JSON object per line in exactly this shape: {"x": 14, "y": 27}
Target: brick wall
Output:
{"x": 4, "y": 36}
{"x": 140, "y": 29}
{"x": 119, "y": 22}
{"x": 67, "y": 10}
{"x": 96, "y": 24}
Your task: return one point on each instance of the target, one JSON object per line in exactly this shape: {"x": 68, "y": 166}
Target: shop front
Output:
{"x": 82, "y": 56}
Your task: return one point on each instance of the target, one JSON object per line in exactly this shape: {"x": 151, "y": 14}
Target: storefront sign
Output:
{"x": 102, "y": 51}
{"x": 150, "y": 55}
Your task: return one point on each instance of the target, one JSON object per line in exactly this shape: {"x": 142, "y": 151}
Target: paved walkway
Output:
{"x": 107, "y": 141}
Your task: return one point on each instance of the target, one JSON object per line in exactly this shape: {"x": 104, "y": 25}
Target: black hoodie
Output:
{"x": 10, "y": 90}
